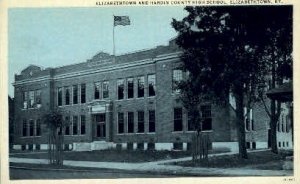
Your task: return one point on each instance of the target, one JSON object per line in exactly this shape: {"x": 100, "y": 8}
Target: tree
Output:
{"x": 55, "y": 125}
{"x": 221, "y": 48}
{"x": 278, "y": 56}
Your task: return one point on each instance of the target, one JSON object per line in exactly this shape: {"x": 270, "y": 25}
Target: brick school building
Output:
{"x": 129, "y": 101}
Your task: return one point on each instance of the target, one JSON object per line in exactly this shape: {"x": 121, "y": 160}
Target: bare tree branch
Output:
{"x": 265, "y": 105}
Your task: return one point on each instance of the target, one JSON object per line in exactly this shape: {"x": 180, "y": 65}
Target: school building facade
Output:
{"x": 128, "y": 101}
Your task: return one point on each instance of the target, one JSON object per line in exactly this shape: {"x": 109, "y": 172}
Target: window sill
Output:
{"x": 191, "y": 131}
{"x": 75, "y": 135}
{"x": 100, "y": 99}
{"x": 25, "y": 137}
{"x": 177, "y": 132}
{"x": 207, "y": 131}
{"x": 151, "y": 133}
{"x": 32, "y": 108}
{"x": 61, "y": 106}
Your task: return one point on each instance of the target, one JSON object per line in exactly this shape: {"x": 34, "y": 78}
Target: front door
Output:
{"x": 100, "y": 128}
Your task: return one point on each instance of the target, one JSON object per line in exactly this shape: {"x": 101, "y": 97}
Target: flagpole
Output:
{"x": 114, "y": 49}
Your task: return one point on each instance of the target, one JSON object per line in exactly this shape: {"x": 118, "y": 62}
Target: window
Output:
{"x": 83, "y": 94}
{"x": 75, "y": 94}
{"x": 252, "y": 124}
{"x": 120, "y": 122}
{"x": 38, "y": 147}
{"x": 177, "y": 119}
{"x": 247, "y": 121}
{"x": 178, "y": 146}
{"x": 130, "y": 88}
{"x": 151, "y": 85}
{"x": 82, "y": 124}
{"x": 24, "y": 131}
{"x": 287, "y": 123}
{"x": 141, "y": 121}
{"x": 75, "y": 125}
{"x": 105, "y": 89}
{"x": 191, "y": 125}
{"x": 120, "y": 84}
{"x": 251, "y": 119}
{"x": 38, "y": 127}
{"x": 248, "y": 145}
{"x": 151, "y": 146}
{"x": 67, "y": 96}
{"x": 151, "y": 121}
{"x": 31, "y": 128}
{"x": 282, "y": 124}
{"x": 31, "y": 99}
{"x": 97, "y": 90}
{"x": 67, "y": 128}
{"x": 38, "y": 98}
{"x": 30, "y": 147}
{"x": 59, "y": 96}
{"x": 25, "y": 100}
{"x": 60, "y": 130}
{"x": 130, "y": 122}
{"x": 206, "y": 116}
{"x": 141, "y": 86}
{"x": 177, "y": 78}
{"x": 253, "y": 145}
{"x": 129, "y": 146}
{"x": 140, "y": 146}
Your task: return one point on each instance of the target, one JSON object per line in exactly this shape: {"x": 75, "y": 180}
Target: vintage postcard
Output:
{"x": 149, "y": 91}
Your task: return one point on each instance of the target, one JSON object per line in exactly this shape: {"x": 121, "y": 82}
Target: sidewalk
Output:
{"x": 159, "y": 167}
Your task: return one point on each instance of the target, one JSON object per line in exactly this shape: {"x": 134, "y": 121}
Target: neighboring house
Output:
{"x": 256, "y": 124}
{"x": 284, "y": 94}
{"x": 11, "y": 121}
{"x": 128, "y": 101}
{"x": 284, "y": 127}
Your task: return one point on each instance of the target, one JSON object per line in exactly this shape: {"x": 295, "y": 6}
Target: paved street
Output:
{"x": 16, "y": 173}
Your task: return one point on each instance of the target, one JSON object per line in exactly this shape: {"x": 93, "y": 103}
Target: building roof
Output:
{"x": 283, "y": 93}
{"x": 100, "y": 60}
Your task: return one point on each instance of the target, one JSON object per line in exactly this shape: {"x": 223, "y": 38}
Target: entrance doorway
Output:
{"x": 100, "y": 128}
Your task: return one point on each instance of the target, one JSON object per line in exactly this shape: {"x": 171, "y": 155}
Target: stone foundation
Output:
{"x": 103, "y": 145}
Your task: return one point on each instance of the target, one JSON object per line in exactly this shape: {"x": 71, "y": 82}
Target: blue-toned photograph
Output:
{"x": 150, "y": 92}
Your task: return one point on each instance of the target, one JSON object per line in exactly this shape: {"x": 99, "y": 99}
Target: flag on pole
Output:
{"x": 121, "y": 20}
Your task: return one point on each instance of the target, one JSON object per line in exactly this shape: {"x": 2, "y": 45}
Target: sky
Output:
{"x": 51, "y": 37}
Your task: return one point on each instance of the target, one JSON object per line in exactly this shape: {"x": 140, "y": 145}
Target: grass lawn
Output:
{"x": 256, "y": 160}
{"x": 116, "y": 156}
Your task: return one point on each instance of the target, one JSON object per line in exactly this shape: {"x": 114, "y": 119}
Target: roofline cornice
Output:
{"x": 121, "y": 66}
